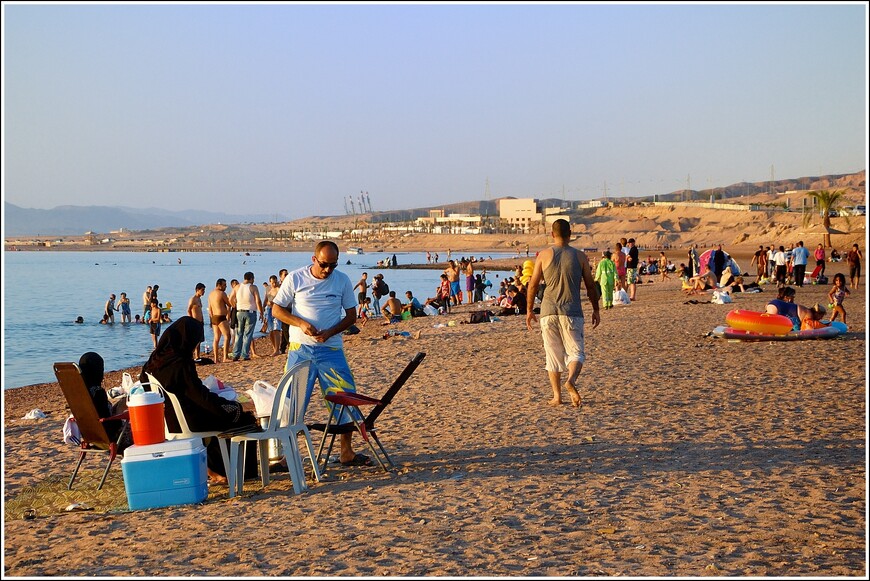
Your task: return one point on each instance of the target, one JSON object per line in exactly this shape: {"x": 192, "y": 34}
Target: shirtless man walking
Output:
{"x": 218, "y": 309}
{"x": 194, "y": 309}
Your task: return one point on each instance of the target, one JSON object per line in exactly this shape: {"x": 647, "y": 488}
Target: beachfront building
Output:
{"x": 437, "y": 223}
{"x": 520, "y": 213}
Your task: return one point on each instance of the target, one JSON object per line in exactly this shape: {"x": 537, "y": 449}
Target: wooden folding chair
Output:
{"x": 94, "y": 436}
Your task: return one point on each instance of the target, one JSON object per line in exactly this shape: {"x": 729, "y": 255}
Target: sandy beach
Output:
{"x": 690, "y": 456}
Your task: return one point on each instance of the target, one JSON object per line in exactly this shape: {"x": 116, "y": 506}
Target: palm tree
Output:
{"x": 827, "y": 202}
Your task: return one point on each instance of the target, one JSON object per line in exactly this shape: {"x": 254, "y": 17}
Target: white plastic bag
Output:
{"x": 71, "y": 433}
{"x": 126, "y": 383}
{"x": 217, "y": 386}
{"x": 721, "y": 298}
{"x": 620, "y": 297}
{"x": 262, "y": 394}
{"x": 34, "y": 414}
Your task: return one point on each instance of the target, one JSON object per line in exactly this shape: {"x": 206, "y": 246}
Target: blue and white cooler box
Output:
{"x": 165, "y": 474}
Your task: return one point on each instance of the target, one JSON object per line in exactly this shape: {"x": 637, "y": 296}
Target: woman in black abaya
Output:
{"x": 173, "y": 366}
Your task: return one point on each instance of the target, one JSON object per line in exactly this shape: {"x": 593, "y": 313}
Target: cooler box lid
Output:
{"x": 168, "y": 448}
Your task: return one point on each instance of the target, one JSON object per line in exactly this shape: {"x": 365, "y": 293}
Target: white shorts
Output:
{"x": 563, "y": 341}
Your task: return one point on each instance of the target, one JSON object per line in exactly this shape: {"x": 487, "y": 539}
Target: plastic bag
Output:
{"x": 34, "y": 414}
{"x": 217, "y": 386}
{"x": 721, "y": 298}
{"x": 263, "y": 396}
{"x": 71, "y": 433}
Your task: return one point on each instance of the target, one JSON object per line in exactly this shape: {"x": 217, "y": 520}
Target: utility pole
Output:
{"x": 771, "y": 191}
{"x": 486, "y": 195}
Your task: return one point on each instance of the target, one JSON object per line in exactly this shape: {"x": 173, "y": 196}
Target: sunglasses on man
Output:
{"x": 332, "y": 265}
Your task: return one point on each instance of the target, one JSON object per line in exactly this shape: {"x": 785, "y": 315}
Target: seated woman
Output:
{"x": 172, "y": 365}
{"x": 92, "y": 367}
{"x": 516, "y": 305}
{"x": 727, "y": 278}
{"x": 784, "y": 305}
{"x": 701, "y": 283}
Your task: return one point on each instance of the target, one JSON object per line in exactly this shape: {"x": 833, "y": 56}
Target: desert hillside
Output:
{"x": 780, "y": 219}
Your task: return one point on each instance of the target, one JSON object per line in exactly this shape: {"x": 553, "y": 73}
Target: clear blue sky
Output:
{"x": 291, "y": 109}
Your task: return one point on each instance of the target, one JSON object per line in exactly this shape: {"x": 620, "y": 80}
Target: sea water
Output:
{"x": 44, "y": 292}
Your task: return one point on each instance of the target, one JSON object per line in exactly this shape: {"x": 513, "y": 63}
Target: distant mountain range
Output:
{"x": 76, "y": 220}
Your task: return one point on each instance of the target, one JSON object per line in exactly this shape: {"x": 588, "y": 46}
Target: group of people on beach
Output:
{"x": 234, "y": 316}
{"x": 804, "y": 318}
{"x": 787, "y": 266}
{"x": 306, "y": 312}
{"x": 153, "y": 312}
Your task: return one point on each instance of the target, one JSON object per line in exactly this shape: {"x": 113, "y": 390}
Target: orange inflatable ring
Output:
{"x": 758, "y": 322}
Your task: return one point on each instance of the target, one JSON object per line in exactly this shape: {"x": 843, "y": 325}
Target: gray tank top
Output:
{"x": 562, "y": 277}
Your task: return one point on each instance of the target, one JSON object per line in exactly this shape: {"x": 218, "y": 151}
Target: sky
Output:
{"x": 293, "y": 109}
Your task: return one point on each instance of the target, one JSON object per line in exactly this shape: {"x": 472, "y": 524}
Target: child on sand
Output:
{"x": 365, "y": 311}
{"x": 837, "y": 295}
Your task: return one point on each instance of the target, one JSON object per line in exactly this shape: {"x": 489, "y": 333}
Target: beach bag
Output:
{"x": 263, "y": 394}
{"x": 218, "y": 387}
{"x": 721, "y": 298}
{"x": 71, "y": 433}
{"x": 479, "y": 317}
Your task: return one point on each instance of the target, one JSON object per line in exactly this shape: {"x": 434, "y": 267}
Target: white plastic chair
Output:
{"x": 285, "y": 424}
{"x": 186, "y": 433}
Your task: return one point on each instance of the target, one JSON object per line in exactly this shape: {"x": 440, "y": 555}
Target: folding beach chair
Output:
{"x": 367, "y": 427}
{"x": 94, "y": 436}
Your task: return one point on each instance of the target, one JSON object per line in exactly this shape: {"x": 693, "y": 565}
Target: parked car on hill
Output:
{"x": 861, "y": 210}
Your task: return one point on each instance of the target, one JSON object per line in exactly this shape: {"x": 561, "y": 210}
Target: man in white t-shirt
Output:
{"x": 318, "y": 304}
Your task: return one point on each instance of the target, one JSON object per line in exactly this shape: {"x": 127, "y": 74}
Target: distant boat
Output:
{"x": 355, "y": 250}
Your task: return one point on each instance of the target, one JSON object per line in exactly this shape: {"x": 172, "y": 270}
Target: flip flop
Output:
{"x": 358, "y": 460}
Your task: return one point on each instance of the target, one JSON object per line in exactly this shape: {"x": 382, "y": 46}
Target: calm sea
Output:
{"x": 44, "y": 292}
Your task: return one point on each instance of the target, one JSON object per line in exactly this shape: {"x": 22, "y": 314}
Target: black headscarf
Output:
{"x": 172, "y": 365}
{"x": 93, "y": 368}
{"x": 175, "y": 347}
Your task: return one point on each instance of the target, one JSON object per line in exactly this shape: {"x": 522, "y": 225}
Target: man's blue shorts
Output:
{"x": 329, "y": 365}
